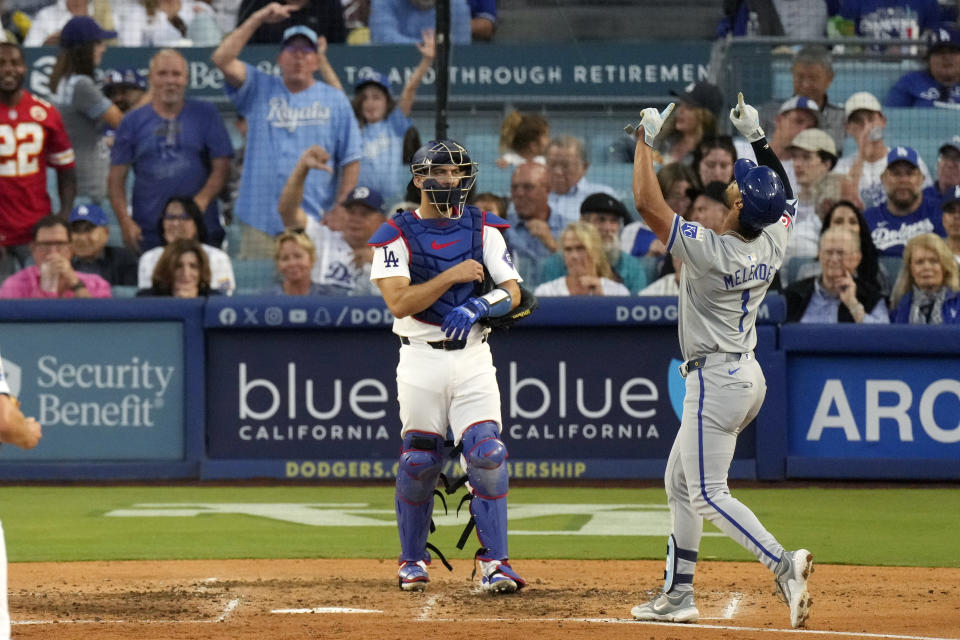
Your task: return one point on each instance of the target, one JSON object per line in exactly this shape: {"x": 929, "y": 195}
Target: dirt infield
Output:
{"x": 234, "y": 600}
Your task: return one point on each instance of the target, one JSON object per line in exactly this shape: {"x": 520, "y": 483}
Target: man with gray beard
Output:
{"x": 906, "y": 212}
{"x": 607, "y": 215}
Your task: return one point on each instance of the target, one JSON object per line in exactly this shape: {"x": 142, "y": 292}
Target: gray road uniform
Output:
{"x": 722, "y": 283}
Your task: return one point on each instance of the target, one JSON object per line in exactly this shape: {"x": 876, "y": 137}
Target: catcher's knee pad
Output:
{"x": 486, "y": 455}
{"x": 419, "y": 467}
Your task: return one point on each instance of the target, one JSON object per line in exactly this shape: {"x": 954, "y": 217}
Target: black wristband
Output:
{"x": 78, "y": 286}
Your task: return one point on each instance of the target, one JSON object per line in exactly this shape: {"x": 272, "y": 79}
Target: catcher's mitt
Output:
{"x": 528, "y": 304}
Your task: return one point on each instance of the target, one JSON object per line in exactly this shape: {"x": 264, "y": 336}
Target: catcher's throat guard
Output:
{"x": 448, "y": 195}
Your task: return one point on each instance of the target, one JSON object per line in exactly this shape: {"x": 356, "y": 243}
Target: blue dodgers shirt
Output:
{"x": 891, "y": 233}
{"x": 170, "y": 158}
{"x": 382, "y": 164}
{"x": 891, "y": 19}
{"x": 919, "y": 89}
{"x": 282, "y": 125}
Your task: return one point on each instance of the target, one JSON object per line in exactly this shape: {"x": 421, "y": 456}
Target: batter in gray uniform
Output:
{"x": 723, "y": 280}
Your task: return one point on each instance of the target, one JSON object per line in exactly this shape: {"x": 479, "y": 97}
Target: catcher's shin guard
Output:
{"x": 486, "y": 458}
{"x": 419, "y": 466}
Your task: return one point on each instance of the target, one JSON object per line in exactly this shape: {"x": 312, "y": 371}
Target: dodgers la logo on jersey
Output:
{"x": 390, "y": 259}
{"x": 692, "y": 230}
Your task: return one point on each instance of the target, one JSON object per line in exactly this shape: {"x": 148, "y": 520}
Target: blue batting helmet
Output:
{"x": 762, "y": 191}
{"x": 448, "y": 199}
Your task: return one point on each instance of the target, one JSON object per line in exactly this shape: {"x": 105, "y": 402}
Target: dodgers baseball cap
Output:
{"x": 953, "y": 142}
{"x": 604, "y": 203}
{"x": 702, "y": 94}
{"x": 299, "y": 30}
{"x": 952, "y": 197}
{"x": 861, "y": 101}
{"x": 801, "y": 102}
{"x": 369, "y": 76}
{"x": 81, "y": 30}
{"x": 944, "y": 36}
{"x": 903, "y": 154}
{"x": 814, "y": 140}
{"x": 89, "y": 213}
{"x": 366, "y": 196}
{"x": 126, "y": 77}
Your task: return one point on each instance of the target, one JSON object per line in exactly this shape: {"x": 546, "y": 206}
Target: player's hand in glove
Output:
{"x": 651, "y": 121}
{"x": 746, "y": 119}
{"x": 456, "y": 325}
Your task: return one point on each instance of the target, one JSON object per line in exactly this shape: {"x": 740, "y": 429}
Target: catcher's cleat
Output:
{"x": 412, "y": 576}
{"x": 792, "y": 574}
{"x": 676, "y": 606}
{"x": 499, "y": 577}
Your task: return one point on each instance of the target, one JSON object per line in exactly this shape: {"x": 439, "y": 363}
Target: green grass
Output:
{"x": 909, "y": 527}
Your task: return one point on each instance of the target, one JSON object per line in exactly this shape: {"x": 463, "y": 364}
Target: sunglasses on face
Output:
{"x": 299, "y": 48}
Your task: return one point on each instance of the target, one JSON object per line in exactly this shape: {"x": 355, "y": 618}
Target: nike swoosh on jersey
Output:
{"x": 436, "y": 246}
{"x": 732, "y": 371}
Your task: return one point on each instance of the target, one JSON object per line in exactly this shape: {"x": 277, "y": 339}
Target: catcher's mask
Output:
{"x": 447, "y": 191}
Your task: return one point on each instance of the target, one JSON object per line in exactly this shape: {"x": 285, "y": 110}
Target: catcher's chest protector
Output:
{"x": 435, "y": 246}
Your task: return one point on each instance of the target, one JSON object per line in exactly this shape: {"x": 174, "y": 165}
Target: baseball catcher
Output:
{"x": 428, "y": 264}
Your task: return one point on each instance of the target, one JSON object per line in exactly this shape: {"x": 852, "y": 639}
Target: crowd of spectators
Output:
{"x": 325, "y": 169}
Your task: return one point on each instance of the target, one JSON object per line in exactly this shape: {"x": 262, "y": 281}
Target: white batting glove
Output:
{"x": 746, "y": 119}
{"x": 651, "y": 121}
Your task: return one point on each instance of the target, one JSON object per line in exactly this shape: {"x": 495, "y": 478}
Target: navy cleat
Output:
{"x": 412, "y": 576}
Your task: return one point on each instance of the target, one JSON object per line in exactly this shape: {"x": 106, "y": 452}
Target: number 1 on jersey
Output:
{"x": 745, "y": 298}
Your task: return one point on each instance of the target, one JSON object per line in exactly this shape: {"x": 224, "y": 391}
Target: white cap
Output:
{"x": 861, "y": 100}
{"x": 801, "y": 102}
{"x": 814, "y": 140}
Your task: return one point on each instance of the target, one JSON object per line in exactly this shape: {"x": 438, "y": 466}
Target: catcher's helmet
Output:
{"x": 449, "y": 199}
{"x": 762, "y": 191}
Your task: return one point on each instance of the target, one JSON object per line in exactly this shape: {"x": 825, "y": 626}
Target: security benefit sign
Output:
{"x": 580, "y": 402}
{"x": 101, "y": 391}
{"x": 303, "y": 395}
{"x": 903, "y": 407}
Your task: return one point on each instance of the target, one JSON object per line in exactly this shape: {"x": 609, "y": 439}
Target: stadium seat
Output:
{"x": 651, "y": 265}
{"x": 253, "y": 275}
{"x": 121, "y": 291}
{"x": 791, "y": 271}
{"x": 891, "y": 265}
{"x": 923, "y": 129}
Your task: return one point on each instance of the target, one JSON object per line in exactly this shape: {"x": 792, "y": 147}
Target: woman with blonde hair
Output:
{"x": 523, "y": 138}
{"x": 694, "y": 119}
{"x": 294, "y": 256}
{"x": 588, "y": 269}
{"x": 927, "y": 290}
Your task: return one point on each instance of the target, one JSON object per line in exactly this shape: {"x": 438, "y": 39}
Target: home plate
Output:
{"x": 327, "y": 610}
